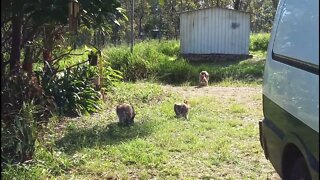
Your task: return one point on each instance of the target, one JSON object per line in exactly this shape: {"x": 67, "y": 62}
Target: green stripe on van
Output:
{"x": 288, "y": 128}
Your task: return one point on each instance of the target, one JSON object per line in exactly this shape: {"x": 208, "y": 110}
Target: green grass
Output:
{"x": 219, "y": 141}
{"x": 161, "y": 62}
{"x": 236, "y": 108}
{"x": 155, "y": 61}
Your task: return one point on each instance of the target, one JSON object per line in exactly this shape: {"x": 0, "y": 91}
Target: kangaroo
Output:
{"x": 182, "y": 109}
{"x": 203, "y": 78}
{"x": 125, "y": 114}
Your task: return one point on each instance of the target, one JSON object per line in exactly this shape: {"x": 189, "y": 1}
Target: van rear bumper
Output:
{"x": 262, "y": 139}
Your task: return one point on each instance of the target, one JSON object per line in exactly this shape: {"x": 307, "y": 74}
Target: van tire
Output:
{"x": 299, "y": 170}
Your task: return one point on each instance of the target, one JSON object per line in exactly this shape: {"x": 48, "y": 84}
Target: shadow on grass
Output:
{"x": 218, "y": 62}
{"x": 97, "y": 136}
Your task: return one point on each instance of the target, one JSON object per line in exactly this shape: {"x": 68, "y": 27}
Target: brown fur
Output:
{"x": 203, "y": 78}
{"x": 182, "y": 110}
{"x": 125, "y": 114}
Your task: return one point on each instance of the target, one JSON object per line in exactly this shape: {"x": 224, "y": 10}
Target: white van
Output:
{"x": 289, "y": 132}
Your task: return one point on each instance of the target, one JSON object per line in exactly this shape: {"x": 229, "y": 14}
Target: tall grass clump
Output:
{"x": 25, "y": 108}
{"x": 152, "y": 60}
{"x": 146, "y": 60}
{"x": 160, "y": 61}
{"x": 169, "y": 48}
{"x": 18, "y": 136}
{"x": 177, "y": 72}
{"x": 259, "y": 42}
{"x": 246, "y": 71}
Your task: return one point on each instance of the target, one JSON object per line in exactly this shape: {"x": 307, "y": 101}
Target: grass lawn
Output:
{"x": 219, "y": 141}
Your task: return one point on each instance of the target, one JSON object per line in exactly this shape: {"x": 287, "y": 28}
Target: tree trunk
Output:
{"x": 236, "y": 5}
{"x": 48, "y": 43}
{"x": 16, "y": 42}
{"x": 27, "y": 36}
{"x": 2, "y": 74}
{"x": 218, "y": 3}
{"x": 181, "y": 6}
{"x": 275, "y": 3}
{"x": 140, "y": 27}
{"x": 160, "y": 24}
{"x": 27, "y": 62}
{"x": 176, "y": 31}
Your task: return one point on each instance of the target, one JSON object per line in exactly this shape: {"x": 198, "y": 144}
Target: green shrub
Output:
{"x": 73, "y": 90}
{"x": 18, "y": 137}
{"x": 24, "y": 107}
{"x": 110, "y": 77}
{"x": 19, "y": 89}
{"x": 142, "y": 64}
{"x": 152, "y": 60}
{"x": 259, "y": 42}
{"x": 176, "y": 72}
{"x": 170, "y": 48}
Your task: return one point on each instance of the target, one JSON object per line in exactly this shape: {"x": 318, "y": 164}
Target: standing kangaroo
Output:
{"x": 203, "y": 78}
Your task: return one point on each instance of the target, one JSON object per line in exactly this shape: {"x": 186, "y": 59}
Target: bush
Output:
{"x": 160, "y": 61}
{"x": 142, "y": 64}
{"x": 176, "y": 72}
{"x": 24, "y": 108}
{"x": 170, "y": 48}
{"x": 259, "y": 42}
{"x": 18, "y": 137}
{"x": 73, "y": 90}
{"x": 19, "y": 89}
{"x": 110, "y": 77}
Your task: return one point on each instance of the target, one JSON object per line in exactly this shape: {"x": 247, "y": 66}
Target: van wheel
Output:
{"x": 299, "y": 170}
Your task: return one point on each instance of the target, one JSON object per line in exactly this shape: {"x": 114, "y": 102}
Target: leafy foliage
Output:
{"x": 29, "y": 29}
{"x": 110, "y": 77}
{"x": 73, "y": 90}
{"x": 151, "y": 17}
{"x": 99, "y": 13}
{"x": 146, "y": 60}
{"x": 18, "y": 138}
{"x": 20, "y": 89}
{"x": 259, "y": 42}
{"x": 160, "y": 61}
{"x": 84, "y": 36}
{"x": 24, "y": 108}
{"x": 177, "y": 72}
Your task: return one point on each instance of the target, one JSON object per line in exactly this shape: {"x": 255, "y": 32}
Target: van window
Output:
{"x": 297, "y": 36}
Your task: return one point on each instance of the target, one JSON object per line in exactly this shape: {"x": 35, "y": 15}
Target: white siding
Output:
{"x": 210, "y": 31}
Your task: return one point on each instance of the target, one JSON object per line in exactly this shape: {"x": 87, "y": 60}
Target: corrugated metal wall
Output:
{"x": 214, "y": 31}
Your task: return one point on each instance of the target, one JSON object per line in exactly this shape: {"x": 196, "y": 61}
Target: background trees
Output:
{"x": 153, "y": 17}
{"x": 30, "y": 27}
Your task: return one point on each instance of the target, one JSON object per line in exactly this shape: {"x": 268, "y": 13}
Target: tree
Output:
{"x": 28, "y": 18}
{"x": 142, "y": 8}
{"x": 29, "y": 28}
{"x": 164, "y": 14}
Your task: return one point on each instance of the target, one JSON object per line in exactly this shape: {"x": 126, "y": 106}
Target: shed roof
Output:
{"x": 189, "y": 11}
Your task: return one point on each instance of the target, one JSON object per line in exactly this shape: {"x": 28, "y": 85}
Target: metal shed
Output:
{"x": 214, "y": 31}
